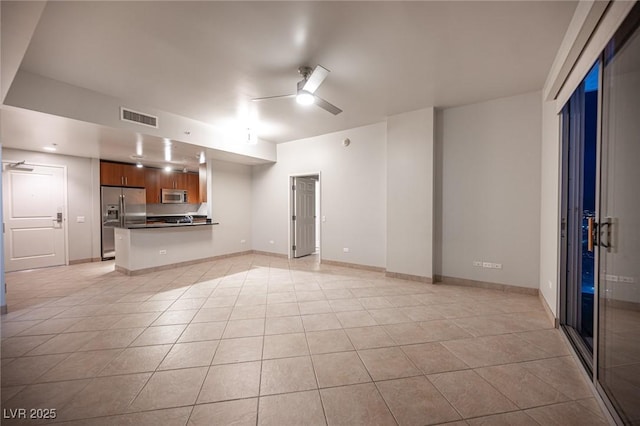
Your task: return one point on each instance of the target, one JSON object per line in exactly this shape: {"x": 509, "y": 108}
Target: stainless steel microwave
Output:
{"x": 173, "y": 196}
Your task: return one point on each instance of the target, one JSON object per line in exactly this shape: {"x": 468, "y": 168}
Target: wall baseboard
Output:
{"x": 485, "y": 284}
{"x": 352, "y": 265}
{"x": 87, "y": 260}
{"x": 409, "y": 277}
{"x": 552, "y": 318}
{"x": 268, "y": 253}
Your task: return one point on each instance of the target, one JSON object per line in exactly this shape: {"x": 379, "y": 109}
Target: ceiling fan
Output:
{"x": 305, "y": 95}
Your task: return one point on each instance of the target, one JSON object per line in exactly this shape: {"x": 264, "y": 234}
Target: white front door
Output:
{"x": 33, "y": 204}
{"x": 304, "y": 212}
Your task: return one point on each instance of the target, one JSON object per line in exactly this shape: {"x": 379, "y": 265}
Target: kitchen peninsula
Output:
{"x": 143, "y": 248}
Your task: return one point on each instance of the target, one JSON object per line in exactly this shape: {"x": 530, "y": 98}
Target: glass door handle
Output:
{"x": 608, "y": 224}
{"x": 591, "y": 233}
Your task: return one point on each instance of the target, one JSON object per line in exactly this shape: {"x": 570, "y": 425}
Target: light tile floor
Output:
{"x": 261, "y": 340}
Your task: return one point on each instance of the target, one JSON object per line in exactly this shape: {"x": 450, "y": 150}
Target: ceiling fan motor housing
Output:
{"x": 305, "y": 72}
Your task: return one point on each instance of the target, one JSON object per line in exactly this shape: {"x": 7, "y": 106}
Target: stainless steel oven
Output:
{"x": 174, "y": 196}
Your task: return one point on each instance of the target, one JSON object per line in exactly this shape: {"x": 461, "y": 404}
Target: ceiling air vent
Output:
{"x": 138, "y": 117}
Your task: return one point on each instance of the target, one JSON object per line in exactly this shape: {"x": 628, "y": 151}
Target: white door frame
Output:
{"x": 65, "y": 208}
{"x": 291, "y": 225}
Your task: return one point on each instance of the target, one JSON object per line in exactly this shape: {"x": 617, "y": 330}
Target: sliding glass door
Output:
{"x": 579, "y": 120}
{"x": 618, "y": 356}
{"x": 600, "y": 238}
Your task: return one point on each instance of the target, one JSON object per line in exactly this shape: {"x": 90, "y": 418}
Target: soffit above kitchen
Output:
{"x": 205, "y": 61}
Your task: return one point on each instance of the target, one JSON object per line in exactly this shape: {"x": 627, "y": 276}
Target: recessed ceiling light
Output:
{"x": 167, "y": 169}
{"x": 139, "y": 165}
{"x": 49, "y": 148}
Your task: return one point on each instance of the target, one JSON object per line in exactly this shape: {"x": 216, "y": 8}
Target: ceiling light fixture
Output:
{"x": 201, "y": 158}
{"x": 167, "y": 169}
{"x": 304, "y": 98}
{"x": 138, "y": 144}
{"x": 49, "y": 148}
{"x": 139, "y": 165}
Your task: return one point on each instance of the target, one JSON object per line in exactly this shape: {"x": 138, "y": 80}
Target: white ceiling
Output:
{"x": 206, "y": 60}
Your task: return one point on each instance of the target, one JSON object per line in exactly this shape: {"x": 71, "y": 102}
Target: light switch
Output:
{"x": 80, "y": 219}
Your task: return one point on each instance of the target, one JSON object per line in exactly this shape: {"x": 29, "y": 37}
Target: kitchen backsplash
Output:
{"x": 177, "y": 209}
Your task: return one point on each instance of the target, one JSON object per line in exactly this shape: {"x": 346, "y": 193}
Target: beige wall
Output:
{"x": 550, "y": 205}
{"x": 410, "y": 193}
{"x": 488, "y": 190}
{"x": 230, "y": 199}
{"x": 353, "y": 194}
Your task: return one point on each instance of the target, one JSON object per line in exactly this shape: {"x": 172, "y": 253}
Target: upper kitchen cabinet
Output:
{"x": 174, "y": 180}
{"x": 193, "y": 188}
{"x": 119, "y": 174}
{"x": 158, "y": 179}
{"x": 152, "y": 183}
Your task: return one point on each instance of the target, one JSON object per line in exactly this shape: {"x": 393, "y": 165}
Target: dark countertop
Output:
{"x": 169, "y": 225}
{"x": 177, "y": 215}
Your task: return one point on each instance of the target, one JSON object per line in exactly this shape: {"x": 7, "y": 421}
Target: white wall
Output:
{"x": 489, "y": 187}
{"x": 550, "y": 205}
{"x": 230, "y": 199}
{"x": 410, "y": 193}
{"x": 353, "y": 199}
{"x": 83, "y": 199}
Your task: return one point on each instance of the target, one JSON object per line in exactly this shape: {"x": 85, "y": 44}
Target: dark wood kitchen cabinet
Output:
{"x": 193, "y": 188}
{"x": 152, "y": 184}
{"x": 152, "y": 179}
{"x": 157, "y": 179}
{"x": 121, "y": 174}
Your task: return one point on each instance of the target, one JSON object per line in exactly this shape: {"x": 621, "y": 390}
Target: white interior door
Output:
{"x": 33, "y": 208}
{"x": 304, "y": 211}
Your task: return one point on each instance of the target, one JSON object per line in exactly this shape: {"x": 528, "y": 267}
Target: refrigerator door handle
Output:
{"x": 123, "y": 214}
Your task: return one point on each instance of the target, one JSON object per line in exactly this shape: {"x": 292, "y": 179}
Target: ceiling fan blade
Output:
{"x": 315, "y": 79}
{"x": 327, "y": 106}
{"x": 266, "y": 98}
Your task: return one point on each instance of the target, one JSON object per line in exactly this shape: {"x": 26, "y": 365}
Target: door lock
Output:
{"x": 59, "y": 217}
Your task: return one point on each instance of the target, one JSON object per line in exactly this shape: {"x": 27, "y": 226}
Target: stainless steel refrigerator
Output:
{"x": 120, "y": 207}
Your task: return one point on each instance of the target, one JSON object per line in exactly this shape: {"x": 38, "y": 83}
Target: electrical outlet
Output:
{"x": 324, "y": 218}
{"x": 486, "y": 264}
{"x": 477, "y": 263}
{"x": 243, "y": 241}
{"x": 345, "y": 250}
{"x": 497, "y": 266}
{"x": 549, "y": 283}
{"x": 163, "y": 252}
{"x": 80, "y": 219}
